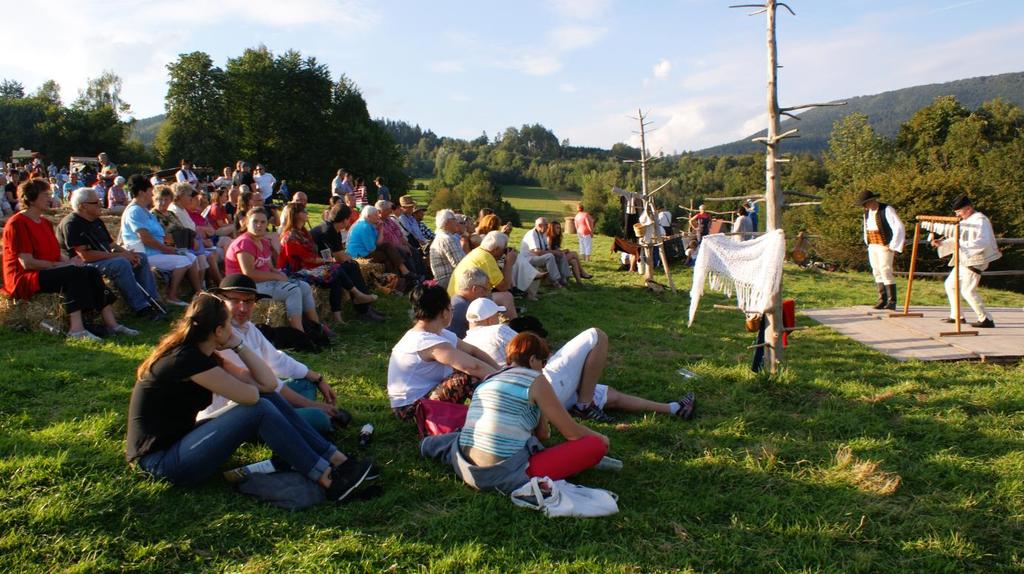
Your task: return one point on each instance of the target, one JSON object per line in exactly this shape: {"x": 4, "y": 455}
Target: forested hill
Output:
{"x": 885, "y": 111}
{"x": 145, "y": 129}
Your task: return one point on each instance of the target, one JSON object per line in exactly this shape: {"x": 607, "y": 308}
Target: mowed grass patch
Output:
{"x": 532, "y": 202}
{"x": 847, "y": 461}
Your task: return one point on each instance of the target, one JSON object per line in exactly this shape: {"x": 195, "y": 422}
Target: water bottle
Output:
{"x": 241, "y": 473}
{"x": 608, "y": 463}
{"x": 50, "y": 328}
{"x": 364, "y": 434}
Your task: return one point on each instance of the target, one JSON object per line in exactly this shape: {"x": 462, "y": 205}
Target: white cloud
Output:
{"x": 531, "y": 63}
{"x": 567, "y": 87}
{"x": 144, "y": 36}
{"x": 566, "y": 38}
{"x": 662, "y": 68}
{"x": 580, "y": 9}
{"x": 446, "y": 66}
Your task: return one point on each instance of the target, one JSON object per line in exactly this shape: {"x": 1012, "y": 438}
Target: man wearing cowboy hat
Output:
{"x": 409, "y": 222}
{"x": 978, "y": 248}
{"x": 884, "y": 235}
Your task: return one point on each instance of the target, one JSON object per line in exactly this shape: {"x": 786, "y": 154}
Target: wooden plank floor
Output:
{"x": 919, "y": 338}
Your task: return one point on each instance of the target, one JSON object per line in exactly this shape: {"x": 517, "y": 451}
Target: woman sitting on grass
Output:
{"x": 499, "y": 447}
{"x": 429, "y": 360}
{"x": 178, "y": 380}
{"x": 251, "y": 254}
{"x": 555, "y": 242}
{"x": 300, "y": 259}
{"x": 33, "y": 262}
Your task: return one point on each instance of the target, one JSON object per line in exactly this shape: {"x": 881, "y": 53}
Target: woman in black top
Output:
{"x": 177, "y": 381}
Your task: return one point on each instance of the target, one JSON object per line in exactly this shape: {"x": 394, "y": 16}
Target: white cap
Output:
{"x": 482, "y": 309}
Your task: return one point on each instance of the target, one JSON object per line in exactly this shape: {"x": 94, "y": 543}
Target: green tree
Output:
{"x": 194, "y": 126}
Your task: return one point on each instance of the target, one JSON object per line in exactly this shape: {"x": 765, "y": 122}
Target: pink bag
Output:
{"x": 439, "y": 417}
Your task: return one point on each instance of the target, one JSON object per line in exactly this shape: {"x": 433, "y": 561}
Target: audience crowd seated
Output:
{"x": 301, "y": 260}
{"x": 179, "y": 379}
{"x": 251, "y": 254}
{"x": 33, "y": 262}
{"x": 215, "y": 381}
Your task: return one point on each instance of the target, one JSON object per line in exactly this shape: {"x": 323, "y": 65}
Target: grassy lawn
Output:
{"x": 846, "y": 462}
{"x": 534, "y": 202}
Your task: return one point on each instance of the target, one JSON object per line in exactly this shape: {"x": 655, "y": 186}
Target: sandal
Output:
{"x": 687, "y": 407}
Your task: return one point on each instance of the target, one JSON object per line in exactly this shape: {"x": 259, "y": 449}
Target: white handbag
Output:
{"x": 561, "y": 498}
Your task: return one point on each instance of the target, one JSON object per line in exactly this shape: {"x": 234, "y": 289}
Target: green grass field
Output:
{"x": 846, "y": 462}
{"x": 533, "y": 202}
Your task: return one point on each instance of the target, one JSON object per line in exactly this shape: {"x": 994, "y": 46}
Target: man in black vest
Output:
{"x": 884, "y": 235}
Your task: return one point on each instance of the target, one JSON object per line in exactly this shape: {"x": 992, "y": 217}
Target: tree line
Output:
{"x": 942, "y": 151}
{"x": 285, "y": 111}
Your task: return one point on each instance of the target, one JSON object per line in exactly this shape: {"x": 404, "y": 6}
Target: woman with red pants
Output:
{"x": 499, "y": 448}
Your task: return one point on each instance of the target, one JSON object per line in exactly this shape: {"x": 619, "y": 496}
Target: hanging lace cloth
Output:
{"x": 751, "y": 269}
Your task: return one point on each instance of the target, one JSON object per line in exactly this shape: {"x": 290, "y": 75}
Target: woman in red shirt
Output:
{"x": 300, "y": 259}
{"x": 34, "y": 263}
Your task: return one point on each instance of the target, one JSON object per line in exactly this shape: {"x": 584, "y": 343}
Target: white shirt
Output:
{"x": 186, "y": 176}
{"x": 977, "y": 242}
{"x": 183, "y": 217}
{"x": 410, "y": 378}
{"x": 266, "y": 183}
{"x": 283, "y": 366}
{"x": 665, "y": 219}
{"x": 534, "y": 239}
{"x": 491, "y": 339}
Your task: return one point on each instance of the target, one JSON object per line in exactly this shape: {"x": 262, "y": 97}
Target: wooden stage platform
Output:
{"x": 919, "y": 338}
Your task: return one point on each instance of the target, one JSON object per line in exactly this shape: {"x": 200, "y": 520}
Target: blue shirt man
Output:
{"x": 362, "y": 239}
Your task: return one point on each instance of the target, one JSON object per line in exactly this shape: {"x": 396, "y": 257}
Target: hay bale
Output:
{"x": 27, "y": 314}
{"x": 273, "y": 312}
{"x": 370, "y": 270}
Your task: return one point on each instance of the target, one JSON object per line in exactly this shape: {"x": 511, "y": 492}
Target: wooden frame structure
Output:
{"x": 960, "y": 332}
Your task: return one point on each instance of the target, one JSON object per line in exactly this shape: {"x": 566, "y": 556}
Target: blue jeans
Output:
{"x": 312, "y": 415}
{"x": 130, "y": 281}
{"x": 200, "y": 453}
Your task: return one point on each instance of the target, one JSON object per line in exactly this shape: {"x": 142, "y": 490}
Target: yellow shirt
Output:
{"x": 481, "y": 259}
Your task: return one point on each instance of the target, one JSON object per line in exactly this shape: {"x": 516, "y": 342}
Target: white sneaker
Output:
{"x": 84, "y": 335}
{"x": 122, "y": 330}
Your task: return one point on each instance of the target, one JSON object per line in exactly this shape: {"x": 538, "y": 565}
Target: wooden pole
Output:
{"x": 956, "y": 270}
{"x": 773, "y": 193}
{"x": 910, "y": 281}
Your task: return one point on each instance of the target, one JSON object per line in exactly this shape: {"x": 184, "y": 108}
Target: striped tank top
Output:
{"x": 501, "y": 417}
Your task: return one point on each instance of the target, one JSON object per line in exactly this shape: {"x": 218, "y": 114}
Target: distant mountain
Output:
{"x": 145, "y": 129}
{"x": 885, "y": 111}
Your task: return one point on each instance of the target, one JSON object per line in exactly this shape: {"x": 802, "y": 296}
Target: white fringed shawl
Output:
{"x": 751, "y": 269}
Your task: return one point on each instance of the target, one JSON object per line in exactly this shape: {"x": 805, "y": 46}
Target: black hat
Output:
{"x": 961, "y": 202}
{"x": 866, "y": 196}
{"x": 238, "y": 283}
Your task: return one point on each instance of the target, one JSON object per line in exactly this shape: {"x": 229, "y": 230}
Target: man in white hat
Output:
{"x": 486, "y": 331}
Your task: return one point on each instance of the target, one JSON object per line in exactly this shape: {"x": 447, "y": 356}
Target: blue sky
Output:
{"x": 579, "y": 67}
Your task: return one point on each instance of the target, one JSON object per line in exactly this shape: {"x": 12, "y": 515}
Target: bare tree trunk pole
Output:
{"x": 773, "y": 193}
{"x": 648, "y": 252}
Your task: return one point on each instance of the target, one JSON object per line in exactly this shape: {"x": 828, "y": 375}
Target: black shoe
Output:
{"x": 687, "y": 407}
{"x": 623, "y": 267}
{"x": 341, "y": 418}
{"x": 591, "y": 413}
{"x": 371, "y": 315}
{"x": 890, "y": 296}
{"x": 952, "y": 320}
{"x": 346, "y": 478}
{"x": 151, "y": 314}
{"x": 986, "y": 324}
{"x": 882, "y": 297}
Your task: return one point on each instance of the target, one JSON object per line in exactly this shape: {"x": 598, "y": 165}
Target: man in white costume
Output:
{"x": 884, "y": 235}
{"x": 977, "y": 249}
